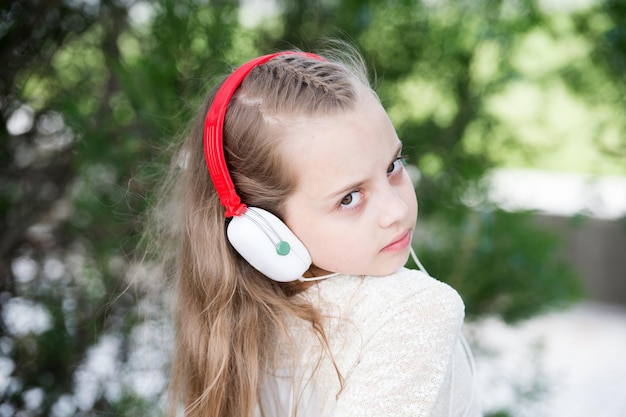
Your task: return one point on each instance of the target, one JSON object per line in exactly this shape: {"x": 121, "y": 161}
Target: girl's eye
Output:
{"x": 351, "y": 200}
{"x": 395, "y": 166}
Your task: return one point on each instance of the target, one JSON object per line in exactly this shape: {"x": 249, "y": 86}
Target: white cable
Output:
{"x": 466, "y": 349}
{"x": 262, "y": 224}
{"x": 303, "y": 279}
{"x": 451, "y": 401}
{"x": 470, "y": 359}
{"x": 417, "y": 261}
{"x": 413, "y": 255}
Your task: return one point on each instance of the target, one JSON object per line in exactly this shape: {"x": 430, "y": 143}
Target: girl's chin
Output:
{"x": 384, "y": 263}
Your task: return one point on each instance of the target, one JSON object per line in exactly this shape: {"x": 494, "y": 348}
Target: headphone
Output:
{"x": 260, "y": 237}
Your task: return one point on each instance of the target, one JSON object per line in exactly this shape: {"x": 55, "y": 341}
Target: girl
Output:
{"x": 290, "y": 217}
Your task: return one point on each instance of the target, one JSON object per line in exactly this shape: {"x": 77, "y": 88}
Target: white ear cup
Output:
{"x": 268, "y": 245}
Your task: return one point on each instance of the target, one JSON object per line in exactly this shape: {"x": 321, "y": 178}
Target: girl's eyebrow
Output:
{"x": 356, "y": 185}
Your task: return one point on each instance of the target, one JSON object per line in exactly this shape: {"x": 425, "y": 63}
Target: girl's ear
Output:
{"x": 267, "y": 244}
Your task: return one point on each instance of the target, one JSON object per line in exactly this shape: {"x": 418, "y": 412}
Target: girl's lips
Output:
{"x": 400, "y": 243}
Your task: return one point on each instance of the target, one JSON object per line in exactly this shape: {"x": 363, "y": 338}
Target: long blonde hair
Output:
{"x": 229, "y": 317}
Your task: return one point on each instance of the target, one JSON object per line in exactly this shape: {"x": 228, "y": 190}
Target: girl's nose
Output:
{"x": 393, "y": 208}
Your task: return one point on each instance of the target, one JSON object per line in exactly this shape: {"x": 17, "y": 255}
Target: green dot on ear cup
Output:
{"x": 283, "y": 248}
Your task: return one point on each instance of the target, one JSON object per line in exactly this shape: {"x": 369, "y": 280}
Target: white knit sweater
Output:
{"x": 396, "y": 340}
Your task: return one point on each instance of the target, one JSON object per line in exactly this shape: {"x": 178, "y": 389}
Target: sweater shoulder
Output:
{"x": 372, "y": 299}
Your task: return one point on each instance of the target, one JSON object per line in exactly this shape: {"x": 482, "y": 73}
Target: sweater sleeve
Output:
{"x": 405, "y": 354}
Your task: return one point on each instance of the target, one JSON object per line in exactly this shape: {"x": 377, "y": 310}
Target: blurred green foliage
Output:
{"x": 91, "y": 92}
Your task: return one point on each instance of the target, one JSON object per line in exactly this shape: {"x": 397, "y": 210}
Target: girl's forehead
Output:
{"x": 323, "y": 151}
{"x": 301, "y": 131}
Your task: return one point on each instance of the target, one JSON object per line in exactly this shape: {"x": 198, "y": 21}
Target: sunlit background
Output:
{"x": 512, "y": 114}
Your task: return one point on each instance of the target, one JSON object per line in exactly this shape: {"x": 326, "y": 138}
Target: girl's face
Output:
{"x": 354, "y": 206}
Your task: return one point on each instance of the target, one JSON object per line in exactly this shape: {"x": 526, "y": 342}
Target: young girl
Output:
{"x": 290, "y": 219}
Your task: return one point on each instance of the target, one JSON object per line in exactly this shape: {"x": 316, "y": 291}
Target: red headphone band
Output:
{"x": 213, "y": 131}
